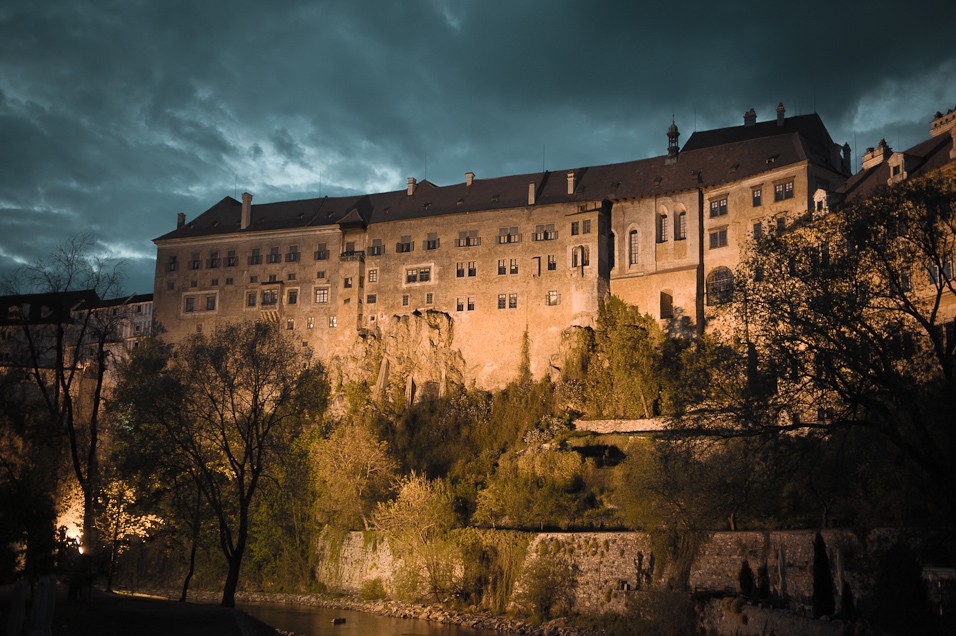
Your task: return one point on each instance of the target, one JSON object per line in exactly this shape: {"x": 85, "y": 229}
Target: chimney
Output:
{"x": 246, "y": 220}
{"x": 531, "y": 193}
{"x": 875, "y": 156}
{"x": 846, "y": 165}
{"x": 571, "y": 182}
{"x": 750, "y": 118}
{"x": 780, "y": 112}
{"x": 180, "y": 220}
{"x": 411, "y": 186}
{"x": 469, "y": 178}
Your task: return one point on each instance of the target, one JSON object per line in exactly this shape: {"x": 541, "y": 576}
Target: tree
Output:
{"x": 847, "y": 321}
{"x": 63, "y": 349}
{"x": 231, "y": 402}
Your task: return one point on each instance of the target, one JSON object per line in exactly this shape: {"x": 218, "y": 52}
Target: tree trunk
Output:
{"x": 192, "y": 549}
{"x": 232, "y": 580}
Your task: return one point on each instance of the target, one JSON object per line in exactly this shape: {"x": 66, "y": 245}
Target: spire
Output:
{"x": 673, "y": 149}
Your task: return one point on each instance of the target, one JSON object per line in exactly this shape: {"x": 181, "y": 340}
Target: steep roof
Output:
{"x": 709, "y": 159}
{"x": 921, "y": 159}
{"x": 44, "y": 308}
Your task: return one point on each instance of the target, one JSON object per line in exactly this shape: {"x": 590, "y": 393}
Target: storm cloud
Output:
{"x": 114, "y": 116}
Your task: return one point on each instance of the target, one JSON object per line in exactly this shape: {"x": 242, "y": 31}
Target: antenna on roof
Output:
{"x": 544, "y": 147}
{"x": 425, "y": 175}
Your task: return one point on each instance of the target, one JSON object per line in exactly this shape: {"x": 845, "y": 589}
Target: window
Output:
{"x": 553, "y": 298}
{"x": 170, "y": 285}
{"x": 193, "y": 284}
{"x": 310, "y": 322}
{"x": 411, "y": 275}
{"x": 502, "y": 301}
{"x": 667, "y": 305}
{"x": 270, "y": 297}
{"x": 905, "y": 283}
{"x": 468, "y": 238}
{"x": 429, "y": 297}
{"x": 508, "y": 235}
{"x": 718, "y": 238}
{"x": 948, "y": 267}
{"x": 321, "y": 295}
{"x": 424, "y": 274}
{"x": 333, "y": 322}
{"x": 586, "y": 227}
{"x": 213, "y": 261}
{"x": 661, "y": 228}
{"x": 781, "y": 223}
{"x": 552, "y": 263}
{"x": 273, "y": 256}
{"x": 460, "y": 270}
{"x": 255, "y": 257}
{"x": 720, "y": 286}
{"x": 512, "y": 301}
{"x": 574, "y": 228}
{"x": 633, "y": 247}
{"x": 273, "y": 278}
{"x": 229, "y": 280}
{"x": 371, "y": 299}
{"x": 405, "y": 246}
{"x": 431, "y": 243}
{"x": 756, "y": 195}
{"x": 404, "y": 300}
{"x": 194, "y": 262}
{"x": 758, "y": 230}
{"x": 198, "y": 327}
{"x": 459, "y": 304}
{"x": 376, "y": 248}
{"x": 210, "y": 303}
{"x": 320, "y": 274}
{"x": 231, "y": 259}
{"x": 783, "y": 191}
{"x": 290, "y": 323}
{"x": 250, "y": 299}
{"x": 171, "y": 264}
{"x": 290, "y": 276}
{"x": 545, "y": 232}
{"x": 581, "y": 256}
{"x": 292, "y": 256}
{"x": 190, "y": 304}
{"x": 472, "y": 268}
{"x": 536, "y": 266}
{"x": 347, "y": 282}
{"x": 718, "y": 207}
{"x": 321, "y": 252}
{"x": 373, "y": 275}
{"x": 214, "y": 282}
{"x": 471, "y": 303}
{"x": 293, "y": 297}
{"x": 513, "y": 266}
{"x": 502, "y": 270}
{"x": 680, "y": 226}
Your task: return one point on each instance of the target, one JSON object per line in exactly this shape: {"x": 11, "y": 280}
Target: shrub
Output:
{"x": 373, "y": 589}
{"x": 547, "y": 588}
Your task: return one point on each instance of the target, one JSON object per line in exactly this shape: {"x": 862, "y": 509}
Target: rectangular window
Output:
{"x": 508, "y": 235}
{"x": 756, "y": 196}
{"x": 293, "y": 297}
{"x": 758, "y": 230}
{"x": 718, "y": 207}
{"x": 424, "y": 274}
{"x": 231, "y": 259}
{"x": 680, "y": 229}
{"x": 171, "y": 264}
{"x": 273, "y": 256}
{"x": 431, "y": 243}
{"x": 411, "y": 275}
{"x": 371, "y": 299}
{"x": 502, "y": 270}
{"x": 781, "y": 223}
{"x": 574, "y": 228}
{"x": 405, "y": 246}
{"x": 460, "y": 270}
{"x": 190, "y": 304}
{"x": 948, "y": 268}
{"x": 333, "y": 322}
{"x": 290, "y": 276}
{"x": 253, "y": 279}
{"x": 429, "y": 297}
{"x": 229, "y": 280}
{"x": 459, "y": 304}
{"x": 545, "y": 232}
{"x": 502, "y": 301}
{"x": 215, "y": 281}
{"x": 512, "y": 301}
{"x": 195, "y": 262}
{"x": 661, "y": 228}
{"x": 270, "y": 297}
{"x": 536, "y": 266}
{"x": 255, "y": 257}
{"x": 250, "y": 299}
{"x": 292, "y": 256}
{"x": 321, "y": 252}
{"x": 471, "y": 303}
{"x": 322, "y": 295}
{"x": 210, "y": 303}
{"x": 718, "y": 239}
{"x": 581, "y": 256}
{"x": 373, "y": 275}
{"x": 310, "y": 322}
{"x": 586, "y": 227}
{"x": 213, "y": 261}
{"x": 552, "y": 263}
{"x": 320, "y": 274}
{"x": 472, "y": 268}
{"x": 553, "y": 298}
{"x": 404, "y": 300}
{"x": 290, "y": 323}
{"x": 193, "y": 283}
{"x": 513, "y": 266}
{"x": 783, "y": 191}
{"x": 468, "y": 238}
{"x": 273, "y": 278}
{"x": 347, "y": 282}
{"x": 376, "y": 248}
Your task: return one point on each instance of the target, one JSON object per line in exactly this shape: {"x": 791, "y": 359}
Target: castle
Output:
{"x": 477, "y": 272}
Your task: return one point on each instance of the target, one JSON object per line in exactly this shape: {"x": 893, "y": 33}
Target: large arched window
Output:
{"x": 661, "y": 228}
{"x": 720, "y": 286}
{"x": 632, "y": 247}
{"x": 680, "y": 226}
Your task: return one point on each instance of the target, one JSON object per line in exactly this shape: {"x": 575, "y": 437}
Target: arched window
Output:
{"x": 667, "y": 304}
{"x": 661, "y": 228}
{"x": 632, "y": 247}
{"x": 680, "y": 226}
{"x": 720, "y": 286}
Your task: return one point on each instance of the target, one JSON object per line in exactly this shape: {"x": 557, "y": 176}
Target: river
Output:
{"x": 305, "y": 620}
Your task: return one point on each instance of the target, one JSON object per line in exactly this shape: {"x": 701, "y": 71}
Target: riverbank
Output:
{"x": 479, "y": 620}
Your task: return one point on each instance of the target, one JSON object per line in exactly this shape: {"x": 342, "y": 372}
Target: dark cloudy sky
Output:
{"x": 114, "y": 116}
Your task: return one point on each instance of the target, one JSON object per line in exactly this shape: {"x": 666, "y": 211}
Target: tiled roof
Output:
{"x": 922, "y": 158}
{"x": 708, "y": 160}
{"x": 46, "y": 308}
